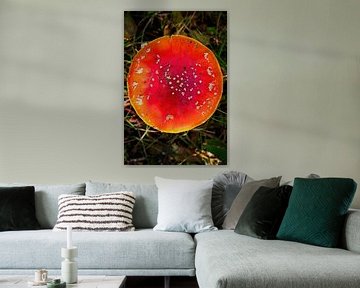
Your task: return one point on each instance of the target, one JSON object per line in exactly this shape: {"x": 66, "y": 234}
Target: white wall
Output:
{"x": 294, "y": 89}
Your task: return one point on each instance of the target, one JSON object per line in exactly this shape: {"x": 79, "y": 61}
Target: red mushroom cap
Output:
{"x": 175, "y": 83}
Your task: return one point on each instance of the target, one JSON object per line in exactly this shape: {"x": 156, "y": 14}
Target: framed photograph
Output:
{"x": 175, "y": 88}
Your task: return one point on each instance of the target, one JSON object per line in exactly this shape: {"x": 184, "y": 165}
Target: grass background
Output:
{"x": 203, "y": 145}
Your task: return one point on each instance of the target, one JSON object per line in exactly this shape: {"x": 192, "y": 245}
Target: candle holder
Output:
{"x": 69, "y": 271}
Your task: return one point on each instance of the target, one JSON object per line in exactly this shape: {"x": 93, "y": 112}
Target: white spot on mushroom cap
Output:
{"x": 139, "y": 100}
{"x": 134, "y": 84}
{"x": 169, "y": 117}
{"x": 211, "y": 86}
{"x": 139, "y": 71}
{"x": 206, "y": 56}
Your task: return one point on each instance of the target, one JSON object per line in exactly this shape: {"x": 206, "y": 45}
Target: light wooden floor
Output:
{"x": 158, "y": 282}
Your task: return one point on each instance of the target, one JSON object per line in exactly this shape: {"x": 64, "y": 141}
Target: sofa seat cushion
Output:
{"x": 141, "y": 249}
{"x": 226, "y": 259}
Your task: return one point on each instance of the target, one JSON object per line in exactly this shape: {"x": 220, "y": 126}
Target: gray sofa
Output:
{"x": 218, "y": 259}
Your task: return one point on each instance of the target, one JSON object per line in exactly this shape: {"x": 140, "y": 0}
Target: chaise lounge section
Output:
{"x": 225, "y": 259}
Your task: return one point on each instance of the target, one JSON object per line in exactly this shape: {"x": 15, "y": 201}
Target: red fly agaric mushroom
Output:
{"x": 175, "y": 83}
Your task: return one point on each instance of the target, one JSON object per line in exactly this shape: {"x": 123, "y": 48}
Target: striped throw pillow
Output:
{"x": 105, "y": 212}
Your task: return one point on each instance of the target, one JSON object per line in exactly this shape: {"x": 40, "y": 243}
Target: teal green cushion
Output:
{"x": 316, "y": 211}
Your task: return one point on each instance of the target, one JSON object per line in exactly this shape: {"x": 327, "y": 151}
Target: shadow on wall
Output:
{"x": 40, "y": 143}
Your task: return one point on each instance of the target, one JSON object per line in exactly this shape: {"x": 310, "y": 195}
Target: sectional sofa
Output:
{"x": 219, "y": 259}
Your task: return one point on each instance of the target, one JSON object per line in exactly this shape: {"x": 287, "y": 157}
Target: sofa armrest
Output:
{"x": 351, "y": 234}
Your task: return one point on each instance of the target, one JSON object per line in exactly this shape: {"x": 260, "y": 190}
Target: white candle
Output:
{"x": 69, "y": 237}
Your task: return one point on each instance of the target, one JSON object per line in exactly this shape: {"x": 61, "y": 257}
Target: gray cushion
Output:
{"x": 248, "y": 262}
{"x": 46, "y": 200}
{"x": 184, "y": 205}
{"x": 243, "y": 198}
{"x": 310, "y": 176}
{"x": 226, "y": 187}
{"x": 146, "y": 204}
{"x": 142, "y": 249}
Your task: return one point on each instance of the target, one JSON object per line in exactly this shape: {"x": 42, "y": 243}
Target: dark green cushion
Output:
{"x": 17, "y": 208}
{"x": 316, "y": 211}
{"x": 264, "y": 213}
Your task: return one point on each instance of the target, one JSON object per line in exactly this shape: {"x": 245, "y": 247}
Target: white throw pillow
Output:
{"x": 104, "y": 212}
{"x": 184, "y": 205}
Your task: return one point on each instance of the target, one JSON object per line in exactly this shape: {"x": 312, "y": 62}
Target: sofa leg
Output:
{"x": 167, "y": 282}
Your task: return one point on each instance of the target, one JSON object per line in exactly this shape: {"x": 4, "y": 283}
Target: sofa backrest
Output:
{"x": 146, "y": 203}
{"x": 351, "y": 237}
{"x": 46, "y": 200}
